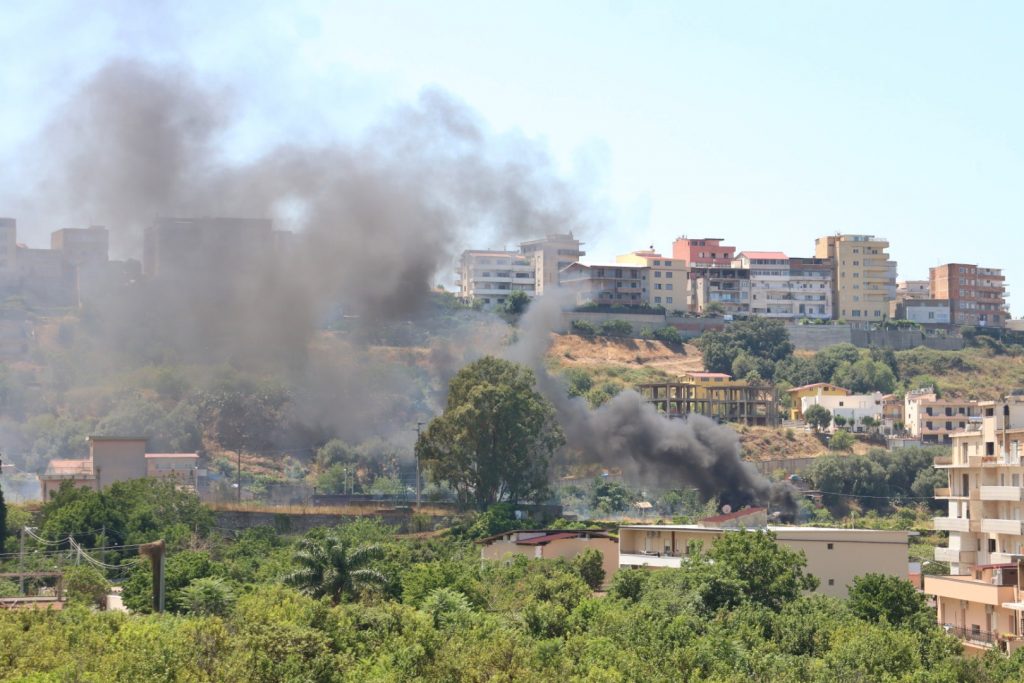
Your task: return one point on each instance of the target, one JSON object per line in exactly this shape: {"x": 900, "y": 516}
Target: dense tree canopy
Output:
{"x": 758, "y": 338}
{"x": 495, "y": 438}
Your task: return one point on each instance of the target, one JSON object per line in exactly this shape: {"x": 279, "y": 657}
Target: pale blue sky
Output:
{"x": 767, "y": 123}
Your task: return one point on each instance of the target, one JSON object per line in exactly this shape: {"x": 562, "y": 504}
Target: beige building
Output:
{"x": 114, "y": 459}
{"x": 667, "y": 277}
{"x": 552, "y": 544}
{"x": 981, "y": 601}
{"x": 611, "y": 285}
{"x": 863, "y": 277}
{"x": 834, "y": 556}
{"x": 550, "y": 256}
{"x": 491, "y": 276}
{"x": 935, "y": 420}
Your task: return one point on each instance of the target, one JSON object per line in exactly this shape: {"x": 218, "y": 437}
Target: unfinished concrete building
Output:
{"x": 749, "y": 404}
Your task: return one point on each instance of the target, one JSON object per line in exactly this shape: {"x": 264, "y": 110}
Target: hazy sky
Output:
{"x": 767, "y": 123}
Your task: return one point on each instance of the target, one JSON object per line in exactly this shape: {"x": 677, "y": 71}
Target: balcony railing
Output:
{"x": 943, "y": 461}
{"x": 972, "y": 635}
{"x": 1012, "y": 494}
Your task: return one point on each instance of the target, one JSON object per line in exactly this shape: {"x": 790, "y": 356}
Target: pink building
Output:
{"x": 705, "y": 251}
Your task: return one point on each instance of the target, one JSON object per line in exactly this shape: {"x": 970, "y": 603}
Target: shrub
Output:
{"x": 842, "y": 440}
{"x": 669, "y": 335}
{"x": 584, "y": 328}
{"x": 616, "y": 328}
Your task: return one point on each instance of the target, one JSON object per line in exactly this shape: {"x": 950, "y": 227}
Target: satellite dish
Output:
{"x": 726, "y": 509}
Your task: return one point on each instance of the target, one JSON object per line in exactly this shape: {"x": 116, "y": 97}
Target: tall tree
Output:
{"x": 773, "y": 574}
{"x": 328, "y": 568}
{"x": 495, "y": 438}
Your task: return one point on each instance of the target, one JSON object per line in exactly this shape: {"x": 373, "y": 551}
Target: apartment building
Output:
{"x": 82, "y": 246}
{"x": 863, "y": 277}
{"x": 935, "y": 420}
{"x": 188, "y": 247}
{"x": 668, "y": 277}
{"x": 491, "y": 276}
{"x": 810, "y": 281}
{"x": 550, "y": 256}
{"x": 980, "y": 601}
{"x": 729, "y": 288}
{"x": 771, "y": 294}
{"x": 703, "y": 251}
{"x": 609, "y": 285}
{"x": 976, "y": 295}
{"x": 834, "y": 556}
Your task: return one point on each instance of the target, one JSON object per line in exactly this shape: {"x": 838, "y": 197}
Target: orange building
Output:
{"x": 976, "y": 295}
{"x": 705, "y": 251}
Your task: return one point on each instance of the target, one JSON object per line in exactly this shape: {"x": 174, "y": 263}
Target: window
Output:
{"x": 831, "y": 582}
{"x": 830, "y": 546}
{"x": 668, "y": 299}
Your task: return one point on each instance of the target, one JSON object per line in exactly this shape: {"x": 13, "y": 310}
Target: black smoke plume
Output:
{"x": 630, "y": 433}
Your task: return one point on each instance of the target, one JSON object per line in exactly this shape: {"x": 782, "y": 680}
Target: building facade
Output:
{"x": 921, "y": 311}
{"x": 818, "y": 389}
{"x": 667, "y": 278}
{"x": 611, "y": 285}
{"x": 811, "y": 283}
{"x": 934, "y": 420}
{"x": 550, "y": 256}
{"x": 491, "y": 276}
{"x": 976, "y": 295}
{"x": 980, "y": 601}
{"x": 771, "y": 293}
{"x": 727, "y": 289}
{"x": 834, "y": 556}
{"x": 853, "y": 408}
{"x": 863, "y": 277}
{"x": 703, "y": 251}
{"x": 553, "y": 544}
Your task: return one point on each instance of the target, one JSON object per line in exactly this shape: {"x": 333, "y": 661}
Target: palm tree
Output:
{"x": 329, "y": 568}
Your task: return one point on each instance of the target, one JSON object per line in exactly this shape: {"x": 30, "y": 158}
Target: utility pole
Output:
{"x": 416, "y": 457}
{"x": 21, "y": 562}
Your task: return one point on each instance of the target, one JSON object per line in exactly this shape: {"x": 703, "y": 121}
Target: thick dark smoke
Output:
{"x": 630, "y": 433}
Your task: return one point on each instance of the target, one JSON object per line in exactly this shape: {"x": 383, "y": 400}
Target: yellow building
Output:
{"x": 667, "y": 277}
{"x": 980, "y": 601}
{"x": 863, "y": 277}
{"x": 834, "y": 556}
{"x": 796, "y": 394}
{"x": 552, "y": 544}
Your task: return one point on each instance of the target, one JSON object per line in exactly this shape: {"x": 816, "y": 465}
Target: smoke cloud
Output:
{"x": 630, "y": 433}
{"x": 375, "y": 221}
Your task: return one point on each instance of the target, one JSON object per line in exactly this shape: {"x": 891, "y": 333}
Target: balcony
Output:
{"x": 945, "y": 492}
{"x": 649, "y": 560}
{"x": 1012, "y": 494}
{"x": 961, "y": 524}
{"x": 957, "y": 556}
{"x": 969, "y": 589}
{"x": 943, "y": 461}
{"x": 1001, "y": 526}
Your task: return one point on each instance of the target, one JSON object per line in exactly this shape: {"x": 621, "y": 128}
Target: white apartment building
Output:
{"x": 491, "y": 276}
{"x": 980, "y": 601}
{"x": 771, "y": 294}
{"x": 852, "y": 408}
{"x": 787, "y": 288}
